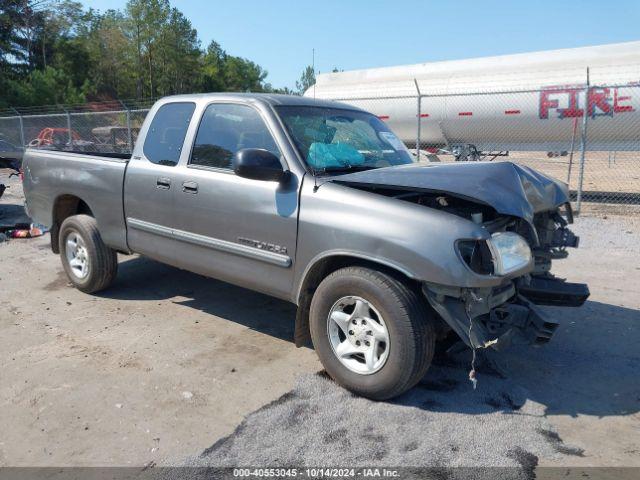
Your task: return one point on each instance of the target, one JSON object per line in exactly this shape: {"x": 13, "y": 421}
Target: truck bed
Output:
{"x": 55, "y": 179}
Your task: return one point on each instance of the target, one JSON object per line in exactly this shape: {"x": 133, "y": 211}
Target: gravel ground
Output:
{"x": 442, "y": 422}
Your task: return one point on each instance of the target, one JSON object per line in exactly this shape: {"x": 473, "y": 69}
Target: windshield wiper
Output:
{"x": 345, "y": 169}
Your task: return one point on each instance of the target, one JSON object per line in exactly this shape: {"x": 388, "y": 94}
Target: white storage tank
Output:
{"x": 530, "y": 101}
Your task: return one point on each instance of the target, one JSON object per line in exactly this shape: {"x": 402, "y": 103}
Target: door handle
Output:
{"x": 189, "y": 187}
{"x": 163, "y": 183}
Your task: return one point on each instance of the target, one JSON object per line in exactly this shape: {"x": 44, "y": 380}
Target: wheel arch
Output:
{"x": 326, "y": 264}
{"x": 64, "y": 207}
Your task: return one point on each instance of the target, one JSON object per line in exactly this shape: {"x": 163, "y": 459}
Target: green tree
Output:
{"x": 213, "y": 63}
{"x": 224, "y": 72}
{"x": 12, "y": 48}
{"x": 179, "y": 56}
{"x": 46, "y": 87}
{"x": 13, "y": 45}
{"x": 113, "y": 57}
{"x": 147, "y": 19}
{"x": 282, "y": 90}
{"x": 53, "y": 27}
{"x": 56, "y": 51}
{"x": 307, "y": 79}
{"x": 242, "y": 75}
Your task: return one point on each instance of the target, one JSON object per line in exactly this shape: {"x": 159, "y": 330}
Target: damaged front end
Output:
{"x": 524, "y": 215}
{"x": 498, "y": 316}
{"x": 491, "y": 317}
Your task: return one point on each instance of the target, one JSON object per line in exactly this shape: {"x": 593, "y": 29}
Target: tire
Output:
{"x": 80, "y": 240}
{"x": 410, "y": 328}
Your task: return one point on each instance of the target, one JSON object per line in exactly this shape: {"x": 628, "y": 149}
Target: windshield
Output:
{"x": 336, "y": 140}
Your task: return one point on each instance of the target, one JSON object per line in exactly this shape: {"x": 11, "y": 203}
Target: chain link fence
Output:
{"x": 597, "y": 154}
{"x": 504, "y": 119}
{"x": 110, "y": 127}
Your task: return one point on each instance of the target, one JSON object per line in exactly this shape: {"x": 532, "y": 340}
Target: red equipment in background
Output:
{"x": 54, "y": 136}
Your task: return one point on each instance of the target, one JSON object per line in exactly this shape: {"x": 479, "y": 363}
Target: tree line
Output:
{"x": 58, "y": 52}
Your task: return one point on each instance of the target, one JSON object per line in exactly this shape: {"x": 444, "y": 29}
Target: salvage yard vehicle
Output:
{"x": 61, "y": 139}
{"x": 114, "y": 138}
{"x": 320, "y": 204}
{"x": 10, "y": 155}
{"x": 10, "y": 158}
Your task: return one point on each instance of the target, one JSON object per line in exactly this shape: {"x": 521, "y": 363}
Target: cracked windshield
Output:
{"x": 340, "y": 140}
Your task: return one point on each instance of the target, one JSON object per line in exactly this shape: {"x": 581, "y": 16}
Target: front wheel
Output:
{"x": 90, "y": 265}
{"x": 372, "y": 332}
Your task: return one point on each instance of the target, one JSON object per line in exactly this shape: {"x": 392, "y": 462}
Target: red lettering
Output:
{"x": 617, "y": 108}
{"x": 599, "y": 102}
{"x": 599, "y": 98}
{"x": 573, "y": 110}
{"x": 546, "y": 103}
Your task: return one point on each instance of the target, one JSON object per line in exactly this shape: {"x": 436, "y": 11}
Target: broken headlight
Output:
{"x": 476, "y": 254}
{"x": 510, "y": 252}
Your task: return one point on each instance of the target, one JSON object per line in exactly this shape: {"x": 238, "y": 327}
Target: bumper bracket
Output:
{"x": 553, "y": 291}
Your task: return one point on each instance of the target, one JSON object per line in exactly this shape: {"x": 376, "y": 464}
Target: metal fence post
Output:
{"x": 584, "y": 145}
{"x": 573, "y": 146}
{"x": 69, "y": 128}
{"x": 419, "y": 116}
{"x": 129, "y": 136}
{"x": 22, "y": 141}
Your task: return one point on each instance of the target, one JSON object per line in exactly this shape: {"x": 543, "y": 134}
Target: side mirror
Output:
{"x": 258, "y": 164}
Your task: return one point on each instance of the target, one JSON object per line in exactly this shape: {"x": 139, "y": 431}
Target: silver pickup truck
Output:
{"x": 320, "y": 204}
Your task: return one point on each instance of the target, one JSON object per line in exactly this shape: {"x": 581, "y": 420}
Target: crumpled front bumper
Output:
{"x": 495, "y": 317}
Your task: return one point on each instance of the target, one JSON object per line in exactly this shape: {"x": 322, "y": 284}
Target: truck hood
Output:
{"x": 510, "y": 189}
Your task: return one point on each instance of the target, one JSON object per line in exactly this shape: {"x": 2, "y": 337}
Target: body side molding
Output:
{"x": 213, "y": 243}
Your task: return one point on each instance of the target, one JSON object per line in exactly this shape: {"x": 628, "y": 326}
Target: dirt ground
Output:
{"x": 165, "y": 363}
{"x": 614, "y": 172}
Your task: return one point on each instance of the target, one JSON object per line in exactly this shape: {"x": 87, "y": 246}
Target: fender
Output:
{"x": 349, "y": 254}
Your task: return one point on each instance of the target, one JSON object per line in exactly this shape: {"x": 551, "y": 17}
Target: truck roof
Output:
{"x": 267, "y": 98}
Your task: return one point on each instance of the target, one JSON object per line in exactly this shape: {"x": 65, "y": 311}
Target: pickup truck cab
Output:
{"x": 320, "y": 204}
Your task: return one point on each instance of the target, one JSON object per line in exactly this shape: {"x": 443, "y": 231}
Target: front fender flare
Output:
{"x": 356, "y": 255}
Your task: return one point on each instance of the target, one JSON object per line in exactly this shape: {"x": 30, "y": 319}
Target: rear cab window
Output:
{"x": 165, "y": 138}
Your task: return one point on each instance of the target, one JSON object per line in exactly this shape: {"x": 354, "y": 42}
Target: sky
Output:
{"x": 280, "y": 35}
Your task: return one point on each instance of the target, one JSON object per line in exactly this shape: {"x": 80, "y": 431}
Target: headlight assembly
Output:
{"x": 510, "y": 252}
{"x": 477, "y": 256}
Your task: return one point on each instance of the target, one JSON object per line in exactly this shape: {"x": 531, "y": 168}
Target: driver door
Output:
{"x": 239, "y": 230}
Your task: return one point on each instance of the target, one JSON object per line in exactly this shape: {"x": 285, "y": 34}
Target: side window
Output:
{"x": 165, "y": 137}
{"x": 225, "y": 129}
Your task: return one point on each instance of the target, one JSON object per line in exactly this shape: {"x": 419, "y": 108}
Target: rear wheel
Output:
{"x": 372, "y": 332}
{"x": 90, "y": 265}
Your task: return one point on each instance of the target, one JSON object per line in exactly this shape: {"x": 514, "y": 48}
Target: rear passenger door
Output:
{"x": 150, "y": 182}
{"x": 239, "y": 230}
